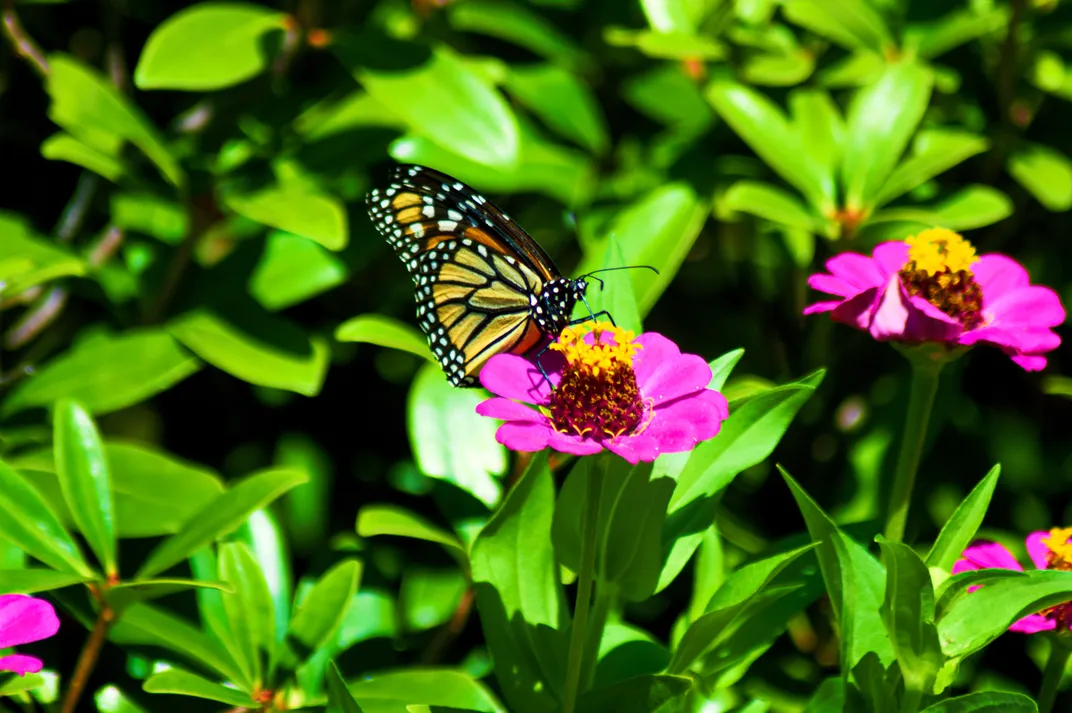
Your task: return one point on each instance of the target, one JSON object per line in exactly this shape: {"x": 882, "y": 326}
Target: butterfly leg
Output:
{"x": 592, "y": 317}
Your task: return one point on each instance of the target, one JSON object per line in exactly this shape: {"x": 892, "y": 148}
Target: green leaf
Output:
{"x": 110, "y": 699}
{"x": 90, "y": 108}
{"x": 107, "y": 373}
{"x": 450, "y": 440}
{"x": 18, "y": 684}
{"x": 613, "y": 290}
{"x": 384, "y": 332}
{"x": 828, "y": 698}
{"x": 64, "y": 147}
{"x": 641, "y": 694}
{"x": 296, "y": 209}
{"x": 851, "y": 23}
{"x": 27, "y": 521}
{"x": 1045, "y": 173}
{"x": 208, "y": 46}
{"x": 85, "y": 480}
{"x": 763, "y": 126}
{"x": 936, "y": 151}
{"x": 932, "y": 39}
{"x": 971, "y": 207}
{"x": 248, "y": 607}
{"x": 471, "y": 117}
{"x": 175, "y": 680}
{"x": 152, "y": 215}
{"x": 963, "y": 631}
{"x": 632, "y": 551}
{"x": 747, "y": 437}
{"x": 264, "y": 536}
{"x": 339, "y": 698}
{"x": 908, "y": 615}
{"x": 881, "y": 120}
{"x": 673, "y": 15}
{"x": 722, "y": 366}
{"x": 28, "y": 259}
{"x": 985, "y": 702}
{"x": 819, "y": 121}
{"x": 959, "y": 531}
{"x": 564, "y": 102}
{"x": 122, "y": 595}
{"x": 225, "y": 346}
{"x": 666, "y": 45}
{"x": 220, "y": 517}
{"x": 293, "y": 269}
{"x": 515, "y": 23}
{"x": 666, "y": 94}
{"x": 773, "y": 203}
{"x": 374, "y": 520}
{"x": 518, "y": 593}
{"x": 319, "y": 615}
{"x": 28, "y": 581}
{"x": 430, "y": 597}
{"x": 396, "y": 691}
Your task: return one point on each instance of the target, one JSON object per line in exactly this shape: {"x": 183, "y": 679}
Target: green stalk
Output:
{"x": 1060, "y": 650}
{"x": 585, "y": 580}
{"x": 925, "y": 371}
{"x": 911, "y": 700}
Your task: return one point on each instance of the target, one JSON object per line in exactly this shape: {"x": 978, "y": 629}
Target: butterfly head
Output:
{"x": 553, "y": 308}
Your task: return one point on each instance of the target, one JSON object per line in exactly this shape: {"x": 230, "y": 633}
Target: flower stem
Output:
{"x": 88, "y": 658}
{"x": 1055, "y": 671}
{"x": 911, "y": 700}
{"x": 585, "y": 580}
{"x": 925, "y": 372}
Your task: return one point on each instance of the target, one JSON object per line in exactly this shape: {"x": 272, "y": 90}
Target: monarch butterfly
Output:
{"x": 484, "y": 286}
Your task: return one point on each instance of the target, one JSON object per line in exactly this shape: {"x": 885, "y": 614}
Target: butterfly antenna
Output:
{"x": 610, "y": 269}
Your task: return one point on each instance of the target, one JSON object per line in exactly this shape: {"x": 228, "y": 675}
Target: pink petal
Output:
{"x": 911, "y": 319}
{"x": 1032, "y": 305}
{"x": 516, "y": 378}
{"x": 508, "y": 410}
{"x": 1036, "y": 550}
{"x": 663, "y": 373}
{"x": 575, "y": 445}
{"x": 1033, "y": 624}
{"x": 859, "y": 271}
{"x": 1029, "y": 363}
{"x": 24, "y": 619}
{"x": 680, "y": 425}
{"x": 996, "y": 274}
{"x": 20, "y": 664}
{"x": 642, "y": 447}
{"x": 989, "y": 555}
{"x": 858, "y": 311}
{"x": 890, "y": 257}
{"x": 1028, "y": 340}
{"x": 821, "y": 307}
{"x": 832, "y": 285}
{"x": 526, "y": 437}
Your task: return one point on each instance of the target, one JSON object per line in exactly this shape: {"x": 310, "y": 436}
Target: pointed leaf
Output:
{"x": 1045, "y": 173}
{"x": 851, "y": 23}
{"x": 959, "y": 531}
{"x": 292, "y": 270}
{"x": 985, "y": 702}
{"x": 28, "y": 581}
{"x": 908, "y": 615}
{"x": 384, "y": 332}
{"x": 318, "y": 616}
{"x": 184, "y": 683}
{"x": 373, "y": 520}
{"x": 562, "y": 101}
{"x": 299, "y": 210}
{"x": 339, "y": 698}
{"x": 613, "y": 291}
{"x": 124, "y": 594}
{"x": 431, "y": 687}
{"x": 248, "y": 606}
{"x": 936, "y": 151}
{"x": 773, "y": 203}
{"x": 722, "y": 367}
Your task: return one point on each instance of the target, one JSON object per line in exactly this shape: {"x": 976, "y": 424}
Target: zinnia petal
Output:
{"x": 508, "y": 410}
{"x": 1034, "y": 305}
{"x": 576, "y": 445}
{"x": 20, "y": 664}
{"x": 987, "y": 555}
{"x": 1033, "y": 624}
{"x": 24, "y": 619}
{"x": 890, "y": 257}
{"x": 634, "y": 449}
{"x": 996, "y": 274}
{"x": 516, "y": 378}
{"x": 524, "y": 437}
{"x": 1036, "y": 550}
{"x": 859, "y": 271}
{"x": 663, "y": 373}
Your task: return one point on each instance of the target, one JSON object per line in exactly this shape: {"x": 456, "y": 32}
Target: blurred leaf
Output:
{"x": 208, "y": 46}
{"x": 64, "y": 147}
{"x": 220, "y": 517}
{"x": 339, "y": 698}
{"x": 248, "y": 607}
{"x": 517, "y": 589}
{"x": 722, "y": 366}
{"x": 850, "y": 23}
{"x": 971, "y": 207}
{"x": 385, "y": 332}
{"x": 820, "y": 122}
{"x": 322, "y": 611}
{"x": 828, "y": 698}
{"x": 908, "y": 615}
{"x": 564, "y": 102}
{"x": 470, "y": 117}
{"x": 110, "y": 699}
{"x": 673, "y": 15}
{"x": 936, "y": 151}
{"x": 856, "y": 70}
{"x": 122, "y": 595}
{"x": 665, "y": 94}
{"x": 267, "y": 540}
{"x": 747, "y": 437}
{"x": 293, "y": 269}
{"x": 303, "y": 507}
{"x": 394, "y": 692}
{"x": 881, "y": 120}
{"x": 642, "y": 694}
{"x": 95, "y": 112}
{"x": 373, "y": 520}
{"x": 763, "y": 126}
{"x": 985, "y": 702}
{"x": 772, "y": 203}
{"x": 934, "y": 38}
{"x": 151, "y": 215}
{"x": 1045, "y": 173}
{"x": 184, "y": 683}
{"x": 773, "y": 69}
{"x": 356, "y": 110}
{"x": 85, "y": 480}
{"x": 430, "y": 597}
{"x": 296, "y": 209}
{"x": 959, "y": 530}
{"x": 18, "y": 684}
{"x": 614, "y": 291}
{"x": 517, "y": 24}
{"x": 107, "y": 373}
{"x": 666, "y": 45}
{"x": 449, "y": 440}
{"x": 27, "y": 259}
{"x": 225, "y": 346}
{"x": 27, "y": 520}
{"x": 29, "y": 581}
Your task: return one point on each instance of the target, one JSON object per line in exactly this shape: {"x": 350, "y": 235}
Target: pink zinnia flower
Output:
{"x": 933, "y": 288}
{"x": 636, "y": 397}
{"x": 24, "y": 619}
{"x": 1048, "y": 550}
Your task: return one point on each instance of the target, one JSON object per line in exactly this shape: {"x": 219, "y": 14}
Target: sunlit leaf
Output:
{"x": 293, "y": 269}
{"x": 28, "y": 581}
{"x": 27, "y": 259}
{"x": 175, "y": 680}
{"x": 298, "y": 210}
{"x": 384, "y": 332}
{"x": 1045, "y": 172}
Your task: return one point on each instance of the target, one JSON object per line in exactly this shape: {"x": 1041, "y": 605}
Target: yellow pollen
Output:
{"x": 938, "y": 249}
{"x": 1060, "y": 554}
{"x": 600, "y": 356}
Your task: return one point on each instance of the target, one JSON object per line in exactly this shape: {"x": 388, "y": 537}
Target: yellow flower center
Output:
{"x": 598, "y": 394}
{"x": 938, "y": 270}
{"x": 1060, "y": 549}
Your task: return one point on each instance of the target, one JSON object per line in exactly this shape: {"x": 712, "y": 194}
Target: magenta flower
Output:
{"x": 638, "y": 398}
{"x": 933, "y": 288}
{"x": 24, "y": 619}
{"x": 1048, "y": 550}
